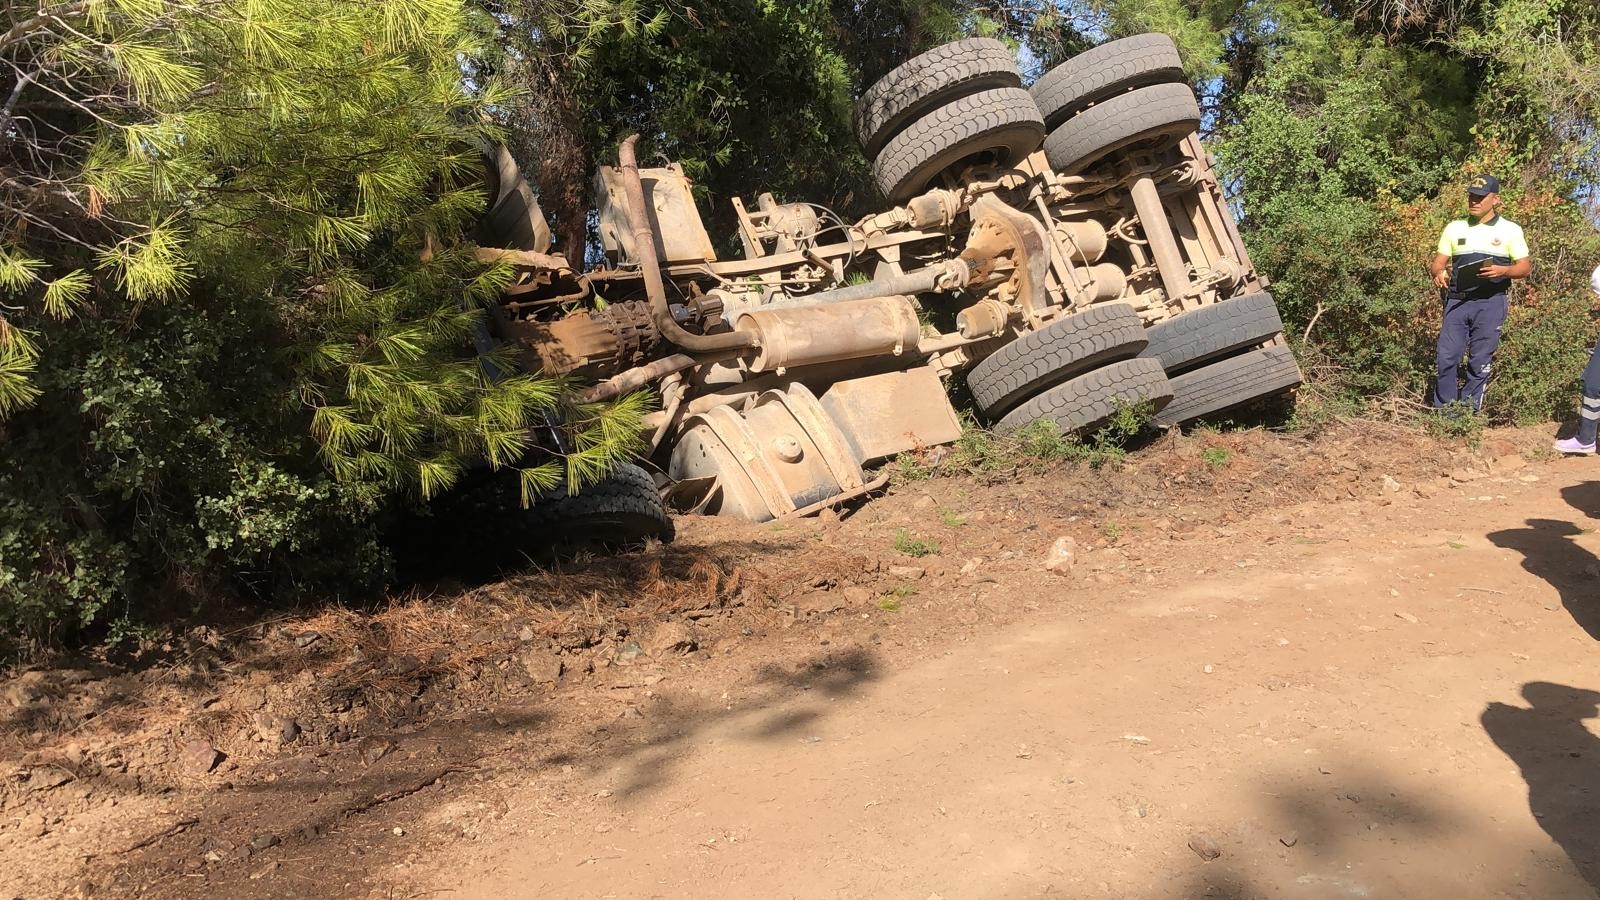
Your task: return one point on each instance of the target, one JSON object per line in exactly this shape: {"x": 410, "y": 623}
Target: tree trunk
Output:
{"x": 564, "y": 165}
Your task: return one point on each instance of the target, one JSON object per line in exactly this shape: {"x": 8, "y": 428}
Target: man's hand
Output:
{"x": 1490, "y": 270}
{"x": 1439, "y": 268}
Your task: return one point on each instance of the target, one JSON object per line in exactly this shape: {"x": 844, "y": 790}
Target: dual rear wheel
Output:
{"x": 962, "y": 104}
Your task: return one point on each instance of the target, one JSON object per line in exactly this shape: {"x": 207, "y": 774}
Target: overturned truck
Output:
{"x": 1065, "y": 249}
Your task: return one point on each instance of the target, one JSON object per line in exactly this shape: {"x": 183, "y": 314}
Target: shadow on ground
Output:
{"x": 777, "y": 707}
{"x": 1560, "y": 760}
{"x": 1548, "y": 552}
{"x": 331, "y": 806}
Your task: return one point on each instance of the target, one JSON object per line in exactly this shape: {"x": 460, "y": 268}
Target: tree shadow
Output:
{"x": 1295, "y": 837}
{"x": 765, "y": 715}
{"x": 1560, "y": 760}
{"x": 1549, "y": 553}
{"x": 335, "y": 802}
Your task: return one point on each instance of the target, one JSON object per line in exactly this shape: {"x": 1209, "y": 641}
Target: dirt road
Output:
{"x": 1355, "y": 667}
{"x": 1358, "y": 700}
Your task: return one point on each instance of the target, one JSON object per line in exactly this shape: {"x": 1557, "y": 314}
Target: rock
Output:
{"x": 627, "y": 653}
{"x": 306, "y": 639}
{"x": 264, "y": 842}
{"x": 288, "y": 731}
{"x": 198, "y": 757}
{"x": 542, "y": 667}
{"x": 907, "y": 573}
{"x": 1062, "y": 556}
{"x": 857, "y": 596}
{"x": 821, "y": 602}
{"x": 35, "y": 826}
{"x": 1407, "y": 617}
{"x": 1529, "y": 479}
{"x": 373, "y": 749}
{"x": 925, "y": 502}
{"x": 1289, "y": 840}
{"x": 526, "y": 634}
{"x": 26, "y": 691}
{"x": 1463, "y": 476}
{"x": 672, "y": 639}
{"x": 1505, "y": 465}
{"x": 248, "y": 699}
{"x": 48, "y": 779}
{"x": 971, "y": 565}
{"x": 1390, "y": 486}
{"x": 1204, "y": 846}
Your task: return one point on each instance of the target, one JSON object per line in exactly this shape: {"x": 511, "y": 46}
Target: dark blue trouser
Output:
{"x": 1589, "y": 413}
{"x": 1471, "y": 328}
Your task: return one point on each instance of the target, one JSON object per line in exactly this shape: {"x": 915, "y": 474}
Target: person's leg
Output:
{"x": 1447, "y": 357}
{"x": 1589, "y": 412}
{"x": 1483, "y": 337}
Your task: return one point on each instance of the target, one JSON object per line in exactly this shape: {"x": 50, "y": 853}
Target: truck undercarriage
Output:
{"x": 1066, "y": 249}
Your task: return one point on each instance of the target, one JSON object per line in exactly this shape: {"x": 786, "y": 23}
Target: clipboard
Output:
{"x": 1469, "y": 279}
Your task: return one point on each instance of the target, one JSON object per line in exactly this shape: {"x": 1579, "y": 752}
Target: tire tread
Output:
{"x": 1094, "y": 397}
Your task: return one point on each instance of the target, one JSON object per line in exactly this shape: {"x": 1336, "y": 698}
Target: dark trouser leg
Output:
{"x": 1483, "y": 337}
{"x": 1589, "y": 414}
{"x": 1447, "y": 358}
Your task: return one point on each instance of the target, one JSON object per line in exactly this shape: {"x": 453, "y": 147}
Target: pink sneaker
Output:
{"x": 1574, "y": 447}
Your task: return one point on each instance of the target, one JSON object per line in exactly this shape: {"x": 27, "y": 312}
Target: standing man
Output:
{"x": 1582, "y": 443}
{"x": 1478, "y": 256}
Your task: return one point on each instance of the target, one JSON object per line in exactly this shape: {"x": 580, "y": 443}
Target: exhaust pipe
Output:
{"x": 644, "y": 245}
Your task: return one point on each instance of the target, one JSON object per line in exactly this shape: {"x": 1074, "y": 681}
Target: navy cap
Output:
{"x": 1483, "y": 185}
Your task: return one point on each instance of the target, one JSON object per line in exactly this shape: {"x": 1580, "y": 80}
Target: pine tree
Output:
{"x": 232, "y": 261}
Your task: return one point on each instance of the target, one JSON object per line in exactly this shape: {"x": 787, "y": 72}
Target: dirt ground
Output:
{"x": 1361, "y": 665}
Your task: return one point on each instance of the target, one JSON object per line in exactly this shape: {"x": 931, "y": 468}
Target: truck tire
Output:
{"x": 621, "y": 511}
{"x": 1002, "y": 123}
{"x": 480, "y": 531}
{"x": 930, "y": 80}
{"x": 1090, "y": 399}
{"x": 1230, "y": 382}
{"x": 1049, "y": 356}
{"x": 1162, "y": 112}
{"x": 1195, "y": 337}
{"x": 1105, "y": 71}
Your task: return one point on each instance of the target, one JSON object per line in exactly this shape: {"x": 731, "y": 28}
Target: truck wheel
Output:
{"x": 1105, "y": 71}
{"x": 619, "y": 512}
{"x": 1090, "y": 399}
{"x": 930, "y": 80}
{"x": 1192, "y": 338}
{"x": 1229, "y": 383}
{"x": 480, "y": 530}
{"x": 1051, "y": 355}
{"x": 1000, "y": 125}
{"x": 1156, "y": 115}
